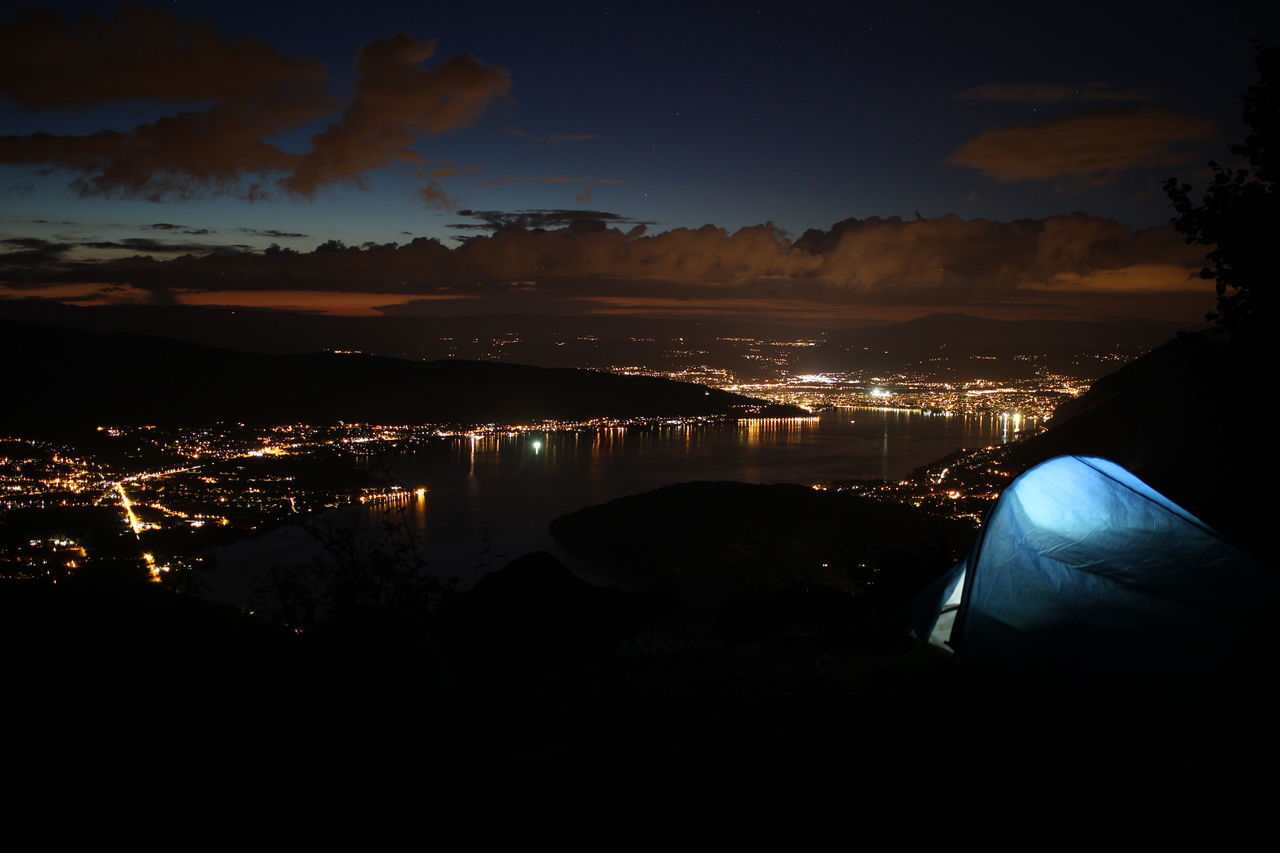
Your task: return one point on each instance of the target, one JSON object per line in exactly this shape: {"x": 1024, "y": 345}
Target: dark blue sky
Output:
{"x": 799, "y": 114}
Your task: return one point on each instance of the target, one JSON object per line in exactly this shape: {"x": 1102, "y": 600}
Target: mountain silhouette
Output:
{"x": 56, "y": 377}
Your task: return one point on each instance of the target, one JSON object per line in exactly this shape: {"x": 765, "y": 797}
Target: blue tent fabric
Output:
{"x": 1083, "y": 576}
{"x": 931, "y": 607}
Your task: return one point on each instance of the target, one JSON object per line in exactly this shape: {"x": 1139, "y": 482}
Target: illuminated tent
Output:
{"x": 1085, "y": 578}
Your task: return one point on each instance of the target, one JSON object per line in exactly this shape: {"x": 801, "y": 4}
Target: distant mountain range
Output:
{"x": 966, "y": 332}
{"x": 55, "y": 377}
{"x": 598, "y": 341}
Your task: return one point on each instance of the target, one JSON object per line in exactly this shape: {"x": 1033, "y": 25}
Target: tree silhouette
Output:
{"x": 1239, "y": 215}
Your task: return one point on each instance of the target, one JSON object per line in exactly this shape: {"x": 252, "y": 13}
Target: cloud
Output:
{"x": 33, "y": 251}
{"x": 46, "y": 62}
{"x": 1137, "y": 278}
{"x": 448, "y": 170}
{"x": 982, "y": 257}
{"x": 36, "y": 251}
{"x": 269, "y": 232}
{"x": 256, "y": 92}
{"x": 181, "y": 229}
{"x": 575, "y": 261}
{"x": 435, "y": 198}
{"x": 550, "y": 138}
{"x": 238, "y": 94}
{"x": 495, "y": 220}
{"x": 82, "y": 294}
{"x": 1091, "y": 146}
{"x": 584, "y": 196}
{"x": 359, "y": 304}
{"x": 147, "y": 245}
{"x": 26, "y": 242}
{"x": 397, "y": 103}
{"x": 179, "y": 157}
{"x": 1047, "y": 92}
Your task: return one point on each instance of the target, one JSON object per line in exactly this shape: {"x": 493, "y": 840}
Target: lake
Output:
{"x": 490, "y": 499}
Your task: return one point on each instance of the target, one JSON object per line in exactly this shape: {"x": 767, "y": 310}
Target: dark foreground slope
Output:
{"x": 706, "y": 544}
{"x": 530, "y": 695}
{"x": 54, "y": 376}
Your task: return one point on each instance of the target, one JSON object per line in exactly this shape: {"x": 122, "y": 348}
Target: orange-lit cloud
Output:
{"x": 434, "y": 197}
{"x": 240, "y": 93}
{"x": 1139, "y": 278}
{"x": 1090, "y": 146}
{"x": 448, "y": 170}
{"x": 397, "y": 102}
{"x": 574, "y": 261}
{"x": 83, "y": 293}
{"x": 46, "y": 62}
{"x": 351, "y": 304}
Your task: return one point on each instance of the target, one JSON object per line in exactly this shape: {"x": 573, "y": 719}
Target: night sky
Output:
{"x": 577, "y": 158}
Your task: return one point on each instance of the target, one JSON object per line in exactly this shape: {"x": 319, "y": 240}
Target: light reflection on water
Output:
{"x": 491, "y": 497}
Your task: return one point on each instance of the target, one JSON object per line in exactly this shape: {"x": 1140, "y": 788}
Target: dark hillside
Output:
{"x": 1192, "y": 418}
{"x": 62, "y": 377}
{"x": 708, "y": 544}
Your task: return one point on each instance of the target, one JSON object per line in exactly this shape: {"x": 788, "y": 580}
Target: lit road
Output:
{"x": 136, "y": 526}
